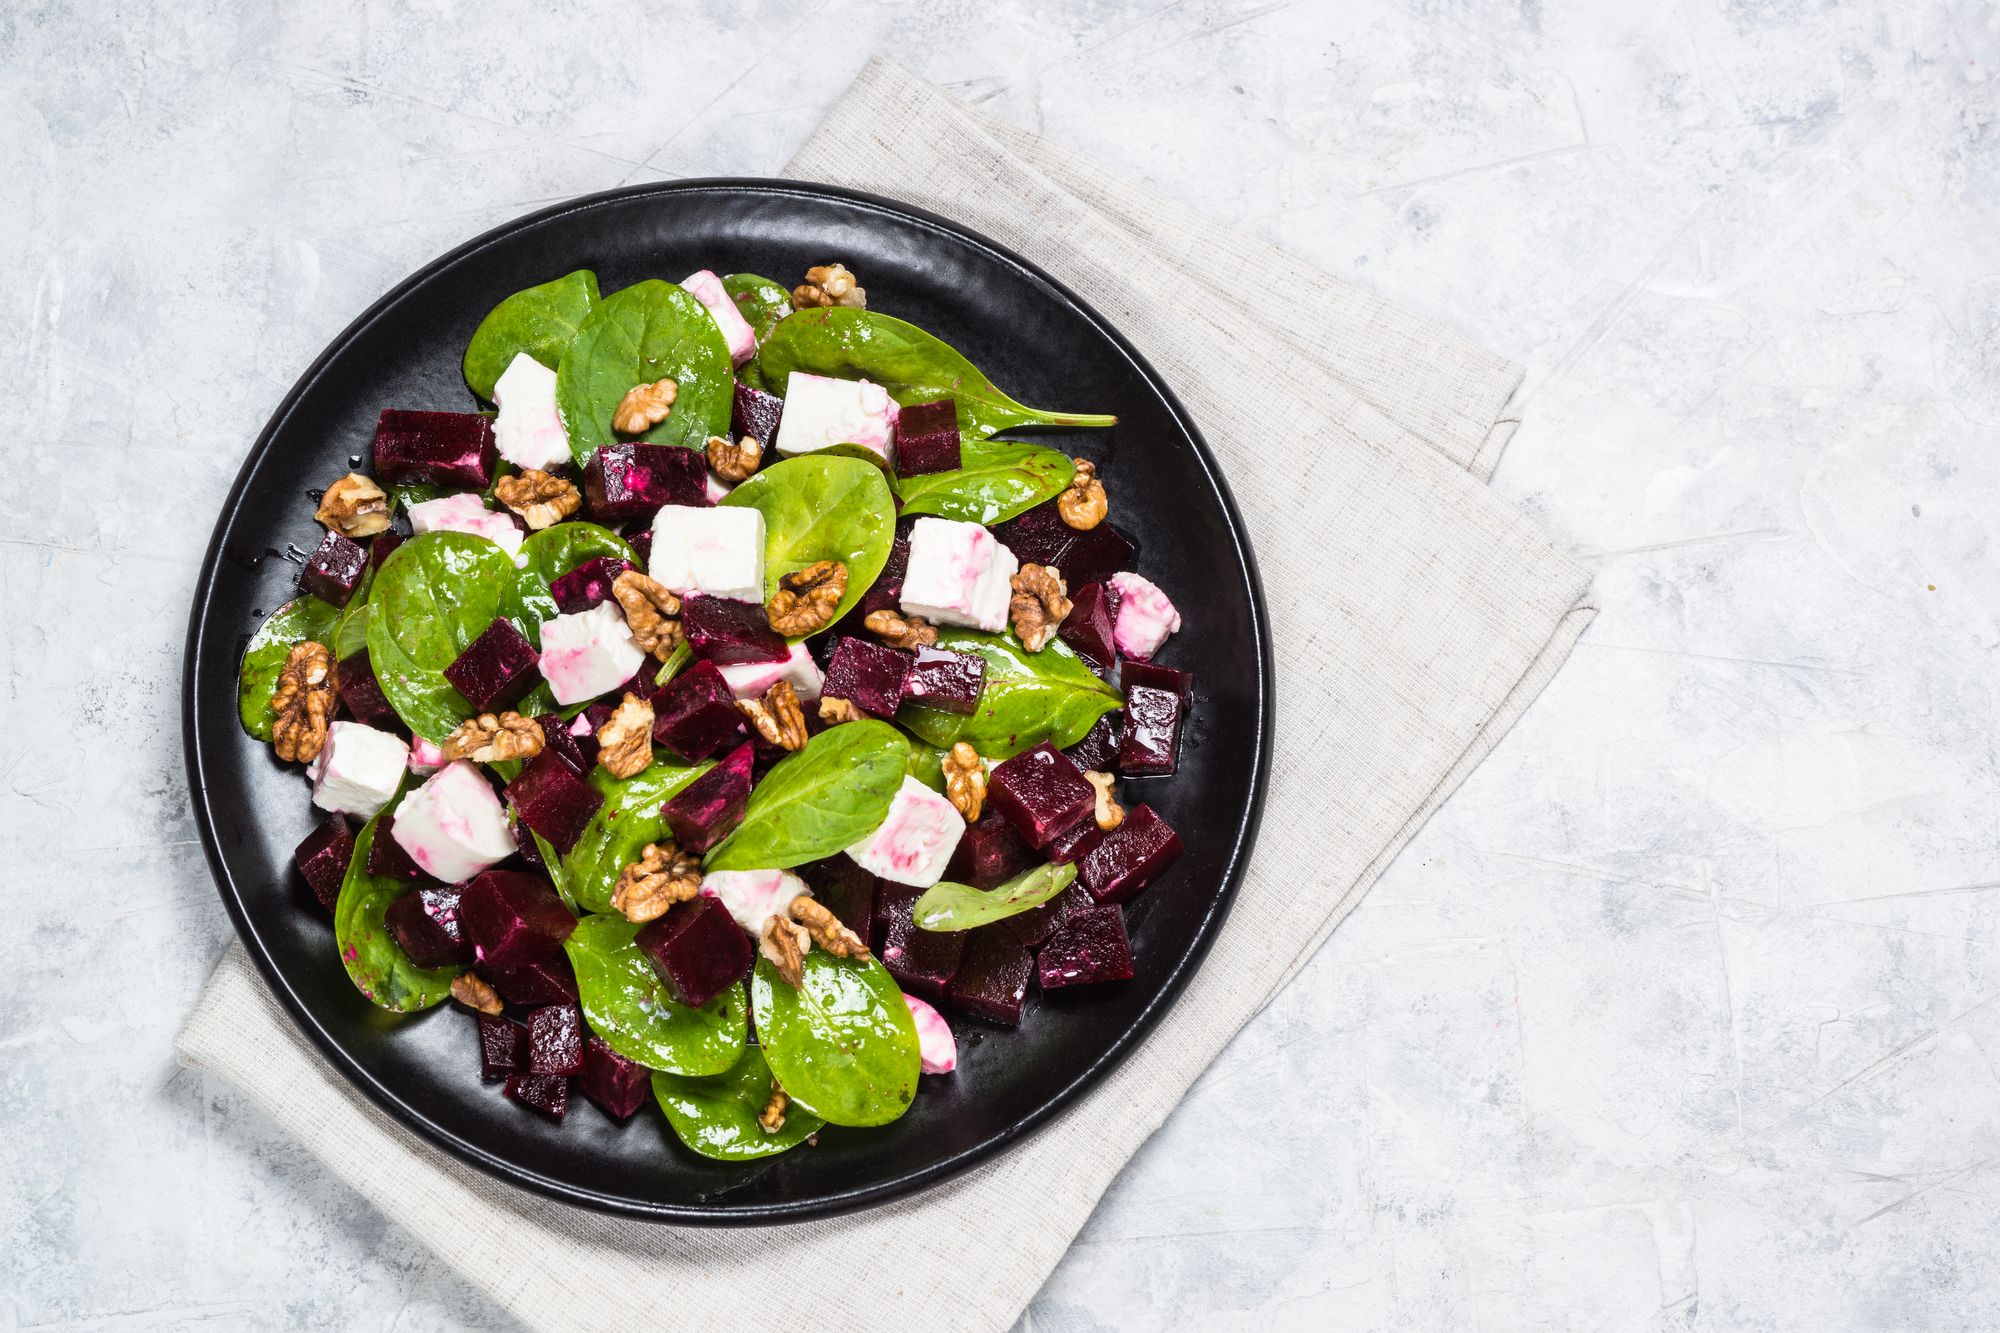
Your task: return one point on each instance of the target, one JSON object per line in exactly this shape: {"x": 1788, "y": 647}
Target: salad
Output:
{"x": 724, "y": 705}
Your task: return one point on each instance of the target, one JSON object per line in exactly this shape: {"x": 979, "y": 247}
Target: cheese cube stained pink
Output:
{"x": 959, "y": 574}
{"x": 915, "y": 842}
{"x": 715, "y": 551}
{"x": 528, "y": 432}
{"x": 588, "y": 653}
{"x": 753, "y": 896}
{"x": 453, "y": 825}
{"x": 1145, "y": 616}
{"x": 749, "y": 680}
{"x": 358, "y": 769}
{"x": 425, "y": 758}
{"x": 937, "y": 1049}
{"x": 736, "y": 331}
{"x": 467, "y": 513}
{"x": 821, "y": 413}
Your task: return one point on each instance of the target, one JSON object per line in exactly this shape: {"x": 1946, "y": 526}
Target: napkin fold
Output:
{"x": 1414, "y": 616}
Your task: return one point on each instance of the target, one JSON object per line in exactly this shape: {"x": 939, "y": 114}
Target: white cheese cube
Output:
{"x": 424, "y": 756}
{"x": 915, "y": 842}
{"x": 822, "y": 412}
{"x": 937, "y": 1049}
{"x": 467, "y": 513}
{"x": 715, "y": 488}
{"x": 716, "y": 552}
{"x": 749, "y": 680}
{"x": 753, "y": 896}
{"x": 959, "y": 574}
{"x": 528, "y": 432}
{"x": 358, "y": 769}
{"x": 1145, "y": 616}
{"x": 736, "y": 331}
{"x": 453, "y": 826}
{"x": 588, "y": 652}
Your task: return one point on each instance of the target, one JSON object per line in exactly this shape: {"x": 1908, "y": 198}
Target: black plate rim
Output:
{"x": 199, "y": 650}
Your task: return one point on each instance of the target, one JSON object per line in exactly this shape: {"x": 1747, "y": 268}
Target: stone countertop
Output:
{"x": 1680, "y": 1013}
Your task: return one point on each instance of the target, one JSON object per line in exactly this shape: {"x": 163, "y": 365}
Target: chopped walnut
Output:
{"x": 828, "y": 931}
{"x": 1039, "y": 603}
{"x": 772, "y": 1118}
{"x": 644, "y": 406}
{"x": 829, "y": 285}
{"x": 965, "y": 780}
{"x": 807, "y": 598}
{"x": 733, "y": 461}
{"x": 651, "y": 613}
{"x": 625, "y": 741}
{"x": 785, "y": 945}
{"x": 540, "y": 499}
{"x": 354, "y": 507}
{"x": 899, "y": 630}
{"x": 661, "y": 877}
{"x": 778, "y": 716}
{"x": 834, "y": 710}
{"x": 493, "y": 737}
{"x": 303, "y": 701}
{"x": 1084, "y": 505}
{"x": 470, "y": 990}
{"x": 1110, "y": 814}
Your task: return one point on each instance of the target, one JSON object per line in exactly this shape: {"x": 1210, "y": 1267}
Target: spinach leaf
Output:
{"x": 650, "y": 330}
{"x": 540, "y": 321}
{"x": 375, "y": 962}
{"x": 550, "y": 554}
{"x": 842, "y": 1042}
{"x": 818, "y": 507}
{"x": 762, "y": 301}
{"x": 619, "y": 831}
{"x": 1029, "y": 698}
{"x": 949, "y": 906}
{"x": 911, "y": 364}
{"x": 996, "y": 480}
{"x": 433, "y": 596}
{"x": 630, "y": 1007}
{"x": 717, "y": 1116}
{"x": 818, "y": 801}
{"x": 350, "y": 632}
{"x": 551, "y": 860}
{"x": 264, "y": 656}
{"x": 926, "y": 764}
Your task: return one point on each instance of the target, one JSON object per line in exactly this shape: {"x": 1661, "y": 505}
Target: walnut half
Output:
{"x": 661, "y": 877}
{"x": 899, "y": 630}
{"x": 733, "y": 460}
{"x": 829, "y": 285}
{"x": 651, "y": 612}
{"x": 1084, "y": 505}
{"x": 779, "y": 717}
{"x": 1109, "y": 813}
{"x": 625, "y": 741}
{"x": 807, "y": 598}
{"x": 828, "y": 931}
{"x": 644, "y": 406}
{"x": 785, "y": 945}
{"x": 542, "y": 500}
{"x": 1038, "y": 606}
{"x": 302, "y": 704}
{"x": 493, "y": 737}
{"x": 772, "y": 1118}
{"x": 354, "y": 507}
{"x": 964, "y": 780}
{"x": 470, "y": 990}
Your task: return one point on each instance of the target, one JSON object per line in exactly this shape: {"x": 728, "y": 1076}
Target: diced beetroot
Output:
{"x": 1154, "y": 676}
{"x": 553, "y": 800}
{"x": 1089, "y": 947}
{"x": 362, "y": 695}
{"x": 1130, "y": 857}
{"x": 844, "y": 889}
{"x": 1074, "y": 842}
{"x": 513, "y": 919}
{"x": 697, "y": 948}
{"x": 387, "y": 858}
{"x": 1098, "y": 750}
{"x": 496, "y": 668}
{"x": 923, "y": 962}
{"x": 1155, "y": 701}
{"x": 1032, "y": 928}
{"x": 555, "y": 1040}
{"x": 548, "y": 980}
{"x": 503, "y": 1047}
{"x": 869, "y": 675}
{"x": 639, "y": 536}
{"x": 993, "y": 977}
{"x": 334, "y": 569}
{"x": 425, "y": 922}
{"x": 566, "y": 745}
{"x": 633, "y": 480}
{"x": 1041, "y": 792}
{"x": 725, "y": 631}
{"x": 524, "y": 842}
{"x": 695, "y": 714}
{"x": 382, "y": 546}
{"x": 883, "y": 594}
{"x": 1087, "y": 628}
{"x": 927, "y": 438}
{"x": 322, "y": 858}
{"x": 618, "y": 1086}
{"x": 756, "y": 414}
{"x": 1040, "y": 537}
{"x": 989, "y": 853}
{"x": 586, "y": 585}
{"x": 947, "y": 679}
{"x": 708, "y": 809}
{"x": 444, "y": 448}
{"x": 546, "y": 1093}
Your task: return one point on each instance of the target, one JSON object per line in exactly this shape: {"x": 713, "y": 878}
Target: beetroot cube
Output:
{"x": 547, "y": 980}
{"x": 883, "y": 594}
{"x": 387, "y": 858}
{"x": 946, "y": 679}
{"x": 496, "y": 668}
{"x": 618, "y": 1086}
{"x": 756, "y": 414}
{"x": 546, "y": 1093}
{"x": 725, "y": 631}
{"x": 1130, "y": 857}
{"x": 382, "y": 546}
{"x": 552, "y": 800}
{"x": 333, "y": 571}
{"x": 989, "y": 853}
{"x": 444, "y": 448}
{"x": 361, "y": 694}
{"x": 1032, "y": 928}
{"x": 705, "y": 811}
{"x": 927, "y": 438}
{"x": 1154, "y": 676}
{"x": 586, "y": 585}
{"x": 923, "y": 962}
{"x": 869, "y": 675}
{"x": 1087, "y": 628}
{"x": 322, "y": 858}
{"x": 639, "y": 536}
{"x": 625, "y": 481}
{"x": 1089, "y": 947}
{"x": 1098, "y": 750}
{"x": 993, "y": 977}
{"x": 425, "y": 922}
{"x": 524, "y": 842}
{"x": 1074, "y": 842}
{"x": 1155, "y": 702}
{"x": 555, "y": 1040}
{"x": 697, "y": 948}
{"x": 513, "y": 919}
{"x": 503, "y": 1047}
{"x": 844, "y": 889}
{"x": 1041, "y": 792}
{"x": 1040, "y": 537}
{"x": 694, "y": 714}
{"x": 566, "y": 745}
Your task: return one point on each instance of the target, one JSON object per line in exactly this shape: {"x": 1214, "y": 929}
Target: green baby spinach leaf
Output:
{"x": 842, "y": 1042}
{"x": 818, "y": 801}
{"x": 433, "y": 596}
{"x": 926, "y": 764}
{"x": 948, "y": 906}
{"x": 540, "y": 321}
{"x": 631, "y": 1008}
{"x": 1029, "y": 698}
{"x": 912, "y": 365}
{"x": 995, "y": 481}
{"x": 552, "y": 866}
{"x": 264, "y": 656}
{"x": 619, "y": 831}
{"x": 651, "y": 330}
{"x": 818, "y": 507}
{"x": 717, "y": 1116}
{"x": 762, "y": 302}
{"x": 350, "y": 632}
{"x": 375, "y": 963}
{"x": 548, "y": 555}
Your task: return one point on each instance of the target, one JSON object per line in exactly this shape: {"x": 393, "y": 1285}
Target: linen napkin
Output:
{"x": 1414, "y": 615}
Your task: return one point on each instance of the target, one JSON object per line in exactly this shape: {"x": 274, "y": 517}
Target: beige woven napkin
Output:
{"x": 1448, "y": 614}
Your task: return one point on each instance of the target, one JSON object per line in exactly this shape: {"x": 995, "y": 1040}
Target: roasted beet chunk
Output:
{"x": 333, "y": 571}
{"x": 1076, "y": 841}
{"x": 844, "y": 889}
{"x": 555, "y": 1040}
{"x": 361, "y": 694}
{"x": 871, "y": 676}
{"x": 1130, "y": 857}
{"x": 1090, "y": 946}
{"x": 426, "y": 925}
{"x": 993, "y": 977}
{"x": 1032, "y": 928}
{"x": 1040, "y": 537}
{"x": 1041, "y": 792}
{"x": 1155, "y": 701}
{"x": 923, "y": 962}
{"x": 387, "y": 858}
{"x": 1088, "y": 626}
{"x": 444, "y": 448}
{"x": 586, "y": 585}
{"x": 513, "y": 919}
{"x": 496, "y": 668}
{"x": 708, "y": 809}
{"x": 545, "y": 981}
{"x": 503, "y": 1047}
{"x": 566, "y": 745}
{"x": 725, "y": 631}
{"x": 989, "y": 853}
{"x": 756, "y": 414}
{"x": 945, "y": 679}
{"x": 552, "y": 800}
{"x": 697, "y": 948}
{"x": 1098, "y": 750}
{"x": 322, "y": 858}
{"x": 382, "y": 546}
{"x": 694, "y": 714}
{"x": 546, "y": 1093}
{"x": 927, "y": 438}
{"x": 624, "y": 481}
{"x": 618, "y": 1086}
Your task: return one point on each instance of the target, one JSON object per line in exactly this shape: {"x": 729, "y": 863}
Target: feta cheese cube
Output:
{"x": 453, "y": 826}
{"x": 916, "y": 840}
{"x": 749, "y": 680}
{"x": 1145, "y": 616}
{"x": 717, "y": 552}
{"x": 529, "y": 430}
{"x": 736, "y": 331}
{"x": 587, "y": 653}
{"x": 425, "y": 757}
{"x": 937, "y": 1049}
{"x": 716, "y": 489}
{"x": 358, "y": 769}
{"x": 467, "y": 513}
{"x": 752, "y": 896}
{"x": 959, "y": 574}
{"x": 822, "y": 412}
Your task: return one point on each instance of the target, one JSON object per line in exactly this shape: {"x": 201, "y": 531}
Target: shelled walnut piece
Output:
{"x": 807, "y": 598}
{"x": 1038, "y": 606}
{"x": 473, "y": 992}
{"x": 303, "y": 701}
{"x": 1084, "y": 505}
{"x": 899, "y": 630}
{"x": 661, "y": 877}
{"x": 778, "y": 716}
{"x": 964, "y": 780}
{"x": 1109, "y": 813}
{"x": 651, "y": 612}
{"x": 644, "y": 406}
{"x": 830, "y": 285}
{"x": 355, "y": 507}
{"x": 828, "y": 931}
{"x": 733, "y": 461}
{"x": 541, "y": 499}
{"x": 493, "y": 737}
{"x": 784, "y": 945}
{"x": 772, "y": 1118}
{"x": 834, "y": 710}
{"x": 625, "y": 741}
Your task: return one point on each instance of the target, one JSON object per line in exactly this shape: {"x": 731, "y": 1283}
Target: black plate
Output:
{"x": 1038, "y": 341}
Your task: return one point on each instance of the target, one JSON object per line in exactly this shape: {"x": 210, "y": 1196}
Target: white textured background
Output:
{"x": 1679, "y": 1015}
